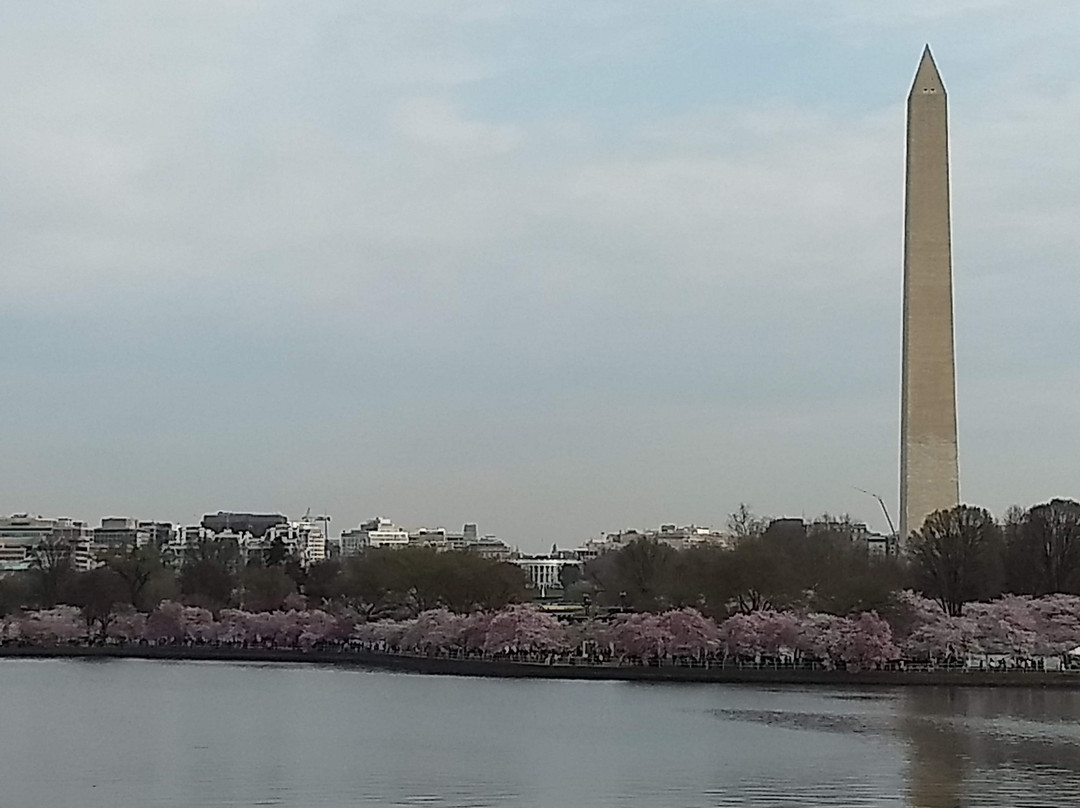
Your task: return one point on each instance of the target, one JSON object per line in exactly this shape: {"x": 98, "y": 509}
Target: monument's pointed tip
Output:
{"x": 927, "y": 77}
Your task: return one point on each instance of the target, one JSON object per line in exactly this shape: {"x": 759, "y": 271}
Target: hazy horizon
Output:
{"x": 554, "y": 268}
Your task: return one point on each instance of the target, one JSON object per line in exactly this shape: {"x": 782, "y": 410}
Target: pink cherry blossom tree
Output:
{"x": 524, "y": 629}
{"x": 1057, "y": 621}
{"x": 56, "y": 626}
{"x": 865, "y": 642}
{"x": 640, "y": 635}
{"x": 434, "y": 630}
{"x": 9, "y": 629}
{"x": 691, "y": 633}
{"x": 740, "y": 636}
{"x": 474, "y": 631}
{"x": 778, "y": 633}
{"x": 233, "y": 627}
{"x": 165, "y": 625}
{"x": 127, "y": 627}
{"x": 199, "y": 625}
{"x": 263, "y": 628}
{"x": 817, "y": 636}
{"x": 290, "y": 626}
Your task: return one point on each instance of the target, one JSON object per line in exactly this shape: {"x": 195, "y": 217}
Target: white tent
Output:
{"x": 1074, "y": 652}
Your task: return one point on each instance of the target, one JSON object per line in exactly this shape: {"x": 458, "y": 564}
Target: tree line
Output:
{"x": 824, "y": 570}
{"x": 377, "y": 583}
{"x": 1010, "y": 632}
{"x": 964, "y": 554}
{"x": 957, "y": 556}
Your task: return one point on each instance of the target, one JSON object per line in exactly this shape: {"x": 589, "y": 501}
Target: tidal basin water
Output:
{"x": 128, "y": 733}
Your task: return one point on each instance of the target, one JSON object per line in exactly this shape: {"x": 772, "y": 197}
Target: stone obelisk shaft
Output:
{"x": 929, "y": 474}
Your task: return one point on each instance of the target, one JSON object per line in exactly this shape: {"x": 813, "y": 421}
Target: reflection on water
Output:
{"x": 127, "y": 734}
{"x": 992, "y": 747}
{"x": 937, "y": 754}
{"x": 962, "y": 746}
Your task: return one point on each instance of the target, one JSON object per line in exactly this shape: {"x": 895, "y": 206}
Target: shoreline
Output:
{"x": 529, "y": 670}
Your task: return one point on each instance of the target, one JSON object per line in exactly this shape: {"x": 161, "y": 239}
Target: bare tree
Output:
{"x": 51, "y": 564}
{"x": 136, "y": 566}
{"x": 642, "y": 568}
{"x": 743, "y": 523}
{"x": 1049, "y": 535}
{"x": 97, "y": 592}
{"x": 956, "y": 556}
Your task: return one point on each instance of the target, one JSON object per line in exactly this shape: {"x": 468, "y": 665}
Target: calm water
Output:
{"x": 121, "y": 734}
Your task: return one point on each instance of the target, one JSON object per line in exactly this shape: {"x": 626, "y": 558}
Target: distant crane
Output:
{"x": 881, "y": 502}
{"x": 324, "y": 518}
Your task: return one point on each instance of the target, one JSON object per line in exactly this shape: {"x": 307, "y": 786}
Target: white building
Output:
{"x": 469, "y": 539}
{"x": 437, "y": 537}
{"x": 544, "y": 572}
{"x": 305, "y": 540}
{"x": 183, "y": 541}
{"x": 381, "y": 532}
{"x": 674, "y": 536}
{"x": 253, "y": 536}
{"x": 378, "y": 532}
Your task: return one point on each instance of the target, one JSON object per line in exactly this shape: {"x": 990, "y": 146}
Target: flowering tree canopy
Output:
{"x": 1018, "y": 627}
{"x": 1012, "y": 625}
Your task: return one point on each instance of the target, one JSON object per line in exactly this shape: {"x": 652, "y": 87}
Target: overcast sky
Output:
{"x": 554, "y": 267}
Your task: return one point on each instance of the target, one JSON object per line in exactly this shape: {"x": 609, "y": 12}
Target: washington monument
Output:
{"x": 929, "y": 475}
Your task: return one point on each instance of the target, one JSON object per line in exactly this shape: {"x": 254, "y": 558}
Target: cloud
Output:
{"x": 916, "y": 11}
{"x": 433, "y": 122}
{"x": 389, "y": 259}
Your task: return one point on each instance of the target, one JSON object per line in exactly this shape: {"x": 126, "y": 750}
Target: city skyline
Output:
{"x": 603, "y": 265}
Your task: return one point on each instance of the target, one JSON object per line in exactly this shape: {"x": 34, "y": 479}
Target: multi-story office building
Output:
{"x": 351, "y": 542}
{"x": 116, "y": 532}
{"x": 676, "y": 537}
{"x": 378, "y": 532}
{"x": 437, "y": 537}
{"x": 468, "y": 539}
{"x": 490, "y": 547}
{"x": 381, "y": 532}
{"x": 856, "y": 532}
{"x": 183, "y": 542}
{"x": 304, "y": 540}
{"x": 157, "y": 534}
{"x": 21, "y": 534}
{"x": 254, "y": 536}
{"x": 254, "y": 523}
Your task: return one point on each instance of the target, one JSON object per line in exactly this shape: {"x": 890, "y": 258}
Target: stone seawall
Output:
{"x": 526, "y": 670}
